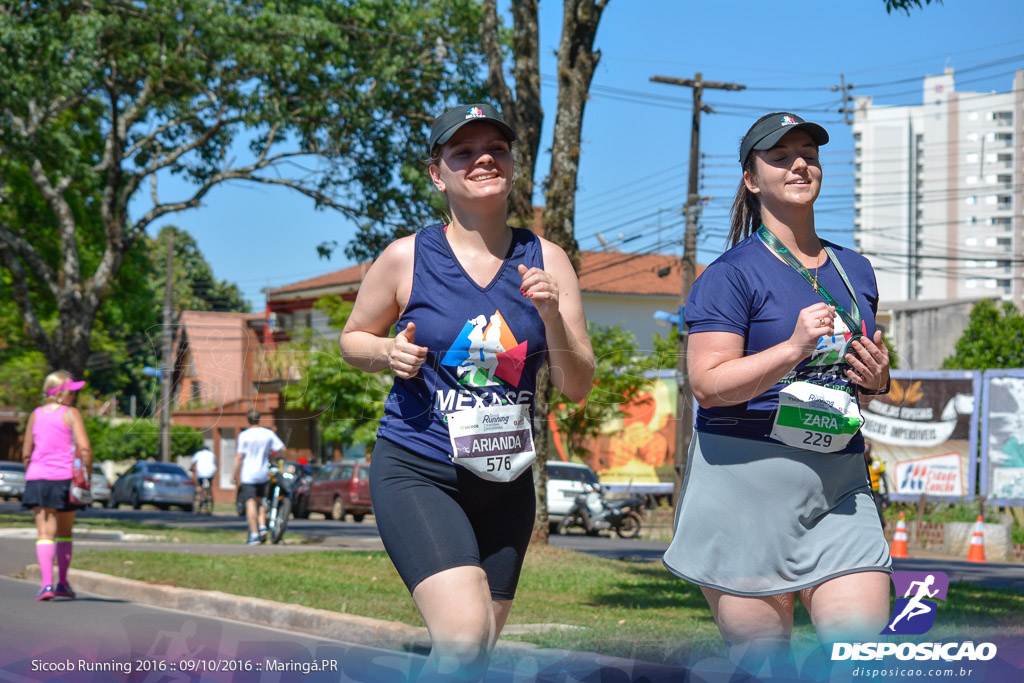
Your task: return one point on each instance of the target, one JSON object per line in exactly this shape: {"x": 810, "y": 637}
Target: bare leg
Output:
{"x": 46, "y": 523}
{"x": 756, "y": 630}
{"x": 462, "y": 620}
{"x": 250, "y": 513}
{"x": 64, "y": 522}
{"x": 501, "y": 610}
{"x": 850, "y": 608}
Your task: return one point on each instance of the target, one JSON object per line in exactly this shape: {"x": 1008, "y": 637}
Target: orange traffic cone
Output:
{"x": 899, "y": 539}
{"x": 977, "y": 550}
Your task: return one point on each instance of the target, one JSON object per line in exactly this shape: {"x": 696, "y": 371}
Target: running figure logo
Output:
{"x": 914, "y": 613}
{"x": 486, "y": 353}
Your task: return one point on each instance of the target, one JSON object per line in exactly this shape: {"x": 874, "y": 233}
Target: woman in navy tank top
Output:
{"x": 478, "y": 306}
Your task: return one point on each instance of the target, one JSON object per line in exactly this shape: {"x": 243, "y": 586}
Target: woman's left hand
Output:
{"x": 869, "y": 364}
{"x": 540, "y": 288}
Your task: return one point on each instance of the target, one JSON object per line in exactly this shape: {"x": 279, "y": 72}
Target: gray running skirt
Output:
{"x": 759, "y": 518}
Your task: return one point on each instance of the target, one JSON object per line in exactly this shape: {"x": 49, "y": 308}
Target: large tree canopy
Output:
{"x": 115, "y": 114}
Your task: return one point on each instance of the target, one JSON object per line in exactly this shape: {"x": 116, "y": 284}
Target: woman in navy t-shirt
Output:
{"x": 776, "y": 503}
{"x": 478, "y": 307}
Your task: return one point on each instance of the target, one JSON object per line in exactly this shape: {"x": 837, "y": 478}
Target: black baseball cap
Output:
{"x": 766, "y": 133}
{"x": 455, "y": 118}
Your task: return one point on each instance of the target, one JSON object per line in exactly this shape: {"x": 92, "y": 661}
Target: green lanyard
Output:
{"x": 852, "y": 317}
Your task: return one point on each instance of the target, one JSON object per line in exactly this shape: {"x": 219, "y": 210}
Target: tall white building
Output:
{"x": 939, "y": 193}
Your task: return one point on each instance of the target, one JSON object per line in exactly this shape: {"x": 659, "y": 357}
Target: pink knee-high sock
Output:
{"x": 63, "y": 559}
{"x": 45, "y": 551}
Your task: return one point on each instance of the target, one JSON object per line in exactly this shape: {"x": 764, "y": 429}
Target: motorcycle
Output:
{"x": 595, "y": 514}
{"x": 278, "y": 503}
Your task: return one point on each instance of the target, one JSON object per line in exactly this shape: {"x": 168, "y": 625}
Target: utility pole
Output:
{"x": 844, "y": 109}
{"x": 684, "y": 396}
{"x": 168, "y": 361}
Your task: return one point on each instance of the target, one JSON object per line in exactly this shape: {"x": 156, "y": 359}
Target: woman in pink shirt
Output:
{"x": 54, "y": 437}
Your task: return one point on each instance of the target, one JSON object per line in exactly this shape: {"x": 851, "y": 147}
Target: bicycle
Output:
{"x": 204, "y": 498}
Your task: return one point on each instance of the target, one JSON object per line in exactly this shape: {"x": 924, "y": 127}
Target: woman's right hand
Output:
{"x": 814, "y": 322}
{"x": 405, "y": 358}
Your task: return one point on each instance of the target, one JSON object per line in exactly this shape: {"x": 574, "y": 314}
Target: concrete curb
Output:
{"x": 389, "y": 635}
{"x": 82, "y": 534}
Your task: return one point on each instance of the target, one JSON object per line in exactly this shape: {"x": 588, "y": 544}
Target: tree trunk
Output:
{"x": 576, "y": 63}
{"x": 523, "y": 110}
{"x": 542, "y": 442}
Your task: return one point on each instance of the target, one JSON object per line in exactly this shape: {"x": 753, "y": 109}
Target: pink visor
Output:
{"x": 67, "y": 385}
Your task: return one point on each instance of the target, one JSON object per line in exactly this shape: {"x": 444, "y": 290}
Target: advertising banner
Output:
{"x": 637, "y": 452}
{"x": 1002, "y": 429}
{"x": 925, "y": 432}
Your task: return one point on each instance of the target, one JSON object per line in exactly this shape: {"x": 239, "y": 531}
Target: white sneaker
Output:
{"x": 254, "y": 539}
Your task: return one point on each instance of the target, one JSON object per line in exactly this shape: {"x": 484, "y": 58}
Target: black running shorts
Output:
{"x": 433, "y": 516}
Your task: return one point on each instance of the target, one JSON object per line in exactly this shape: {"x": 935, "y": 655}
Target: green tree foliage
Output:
{"x": 331, "y": 100}
{"x": 138, "y": 439}
{"x": 618, "y": 379}
{"x": 195, "y": 287}
{"x": 348, "y": 402}
{"x": 993, "y": 338}
{"x": 906, "y": 5}
{"x": 666, "y": 350}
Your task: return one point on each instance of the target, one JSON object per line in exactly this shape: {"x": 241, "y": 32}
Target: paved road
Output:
{"x": 63, "y": 640}
{"x": 96, "y": 638}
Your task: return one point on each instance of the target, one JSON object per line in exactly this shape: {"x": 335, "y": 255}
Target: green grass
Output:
{"x": 942, "y": 512}
{"x": 626, "y": 609}
{"x": 174, "y": 534}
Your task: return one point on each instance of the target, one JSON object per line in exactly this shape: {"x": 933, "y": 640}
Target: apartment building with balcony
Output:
{"x": 939, "y": 192}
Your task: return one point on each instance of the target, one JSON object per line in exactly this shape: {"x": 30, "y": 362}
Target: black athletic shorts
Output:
{"x": 48, "y": 493}
{"x": 256, "y": 491}
{"x": 433, "y": 516}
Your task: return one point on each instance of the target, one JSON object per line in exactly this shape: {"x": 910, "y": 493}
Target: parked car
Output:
{"x": 158, "y": 483}
{"x": 337, "y": 490}
{"x": 12, "y": 479}
{"x": 566, "y": 480}
{"x": 100, "y": 486}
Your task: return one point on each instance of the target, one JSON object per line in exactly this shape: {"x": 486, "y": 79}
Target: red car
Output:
{"x": 337, "y": 490}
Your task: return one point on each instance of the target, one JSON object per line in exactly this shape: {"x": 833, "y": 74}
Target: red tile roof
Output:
{"x": 345, "y": 276}
{"x": 631, "y": 274}
{"x": 600, "y": 272}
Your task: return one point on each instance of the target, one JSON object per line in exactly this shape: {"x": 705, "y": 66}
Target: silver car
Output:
{"x": 12, "y": 479}
{"x": 100, "y": 486}
{"x": 158, "y": 483}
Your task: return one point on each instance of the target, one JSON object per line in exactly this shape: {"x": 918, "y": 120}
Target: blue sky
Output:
{"x": 635, "y": 145}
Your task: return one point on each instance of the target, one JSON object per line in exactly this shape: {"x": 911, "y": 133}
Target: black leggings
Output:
{"x": 433, "y": 516}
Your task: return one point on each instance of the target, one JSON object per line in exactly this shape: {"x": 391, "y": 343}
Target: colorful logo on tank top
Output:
{"x": 486, "y": 353}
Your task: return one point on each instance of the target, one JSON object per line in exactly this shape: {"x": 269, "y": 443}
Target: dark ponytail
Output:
{"x": 746, "y": 208}
{"x": 746, "y": 213}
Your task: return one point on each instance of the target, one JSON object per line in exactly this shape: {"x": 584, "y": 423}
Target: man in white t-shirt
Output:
{"x": 252, "y": 470}
{"x": 204, "y": 466}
